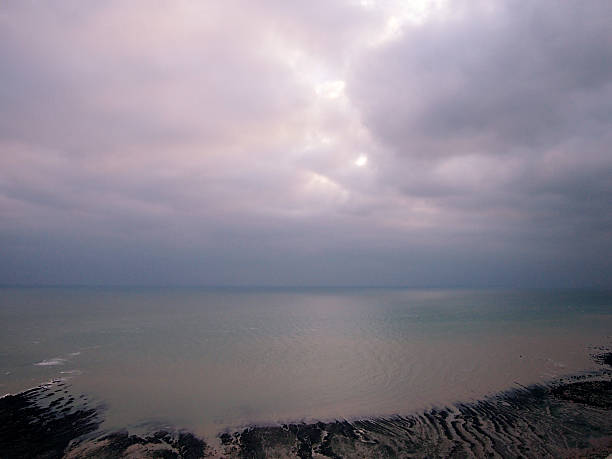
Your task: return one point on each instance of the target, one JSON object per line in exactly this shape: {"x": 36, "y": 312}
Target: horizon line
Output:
{"x": 310, "y": 286}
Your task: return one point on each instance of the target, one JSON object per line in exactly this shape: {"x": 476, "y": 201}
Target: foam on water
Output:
{"x": 51, "y": 362}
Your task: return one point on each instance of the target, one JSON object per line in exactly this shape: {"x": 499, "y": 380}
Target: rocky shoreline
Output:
{"x": 571, "y": 417}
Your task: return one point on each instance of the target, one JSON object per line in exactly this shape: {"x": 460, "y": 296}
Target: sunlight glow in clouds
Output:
{"x": 331, "y": 89}
{"x": 361, "y": 161}
{"x": 400, "y": 13}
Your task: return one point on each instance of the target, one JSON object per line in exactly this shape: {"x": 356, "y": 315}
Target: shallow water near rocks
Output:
{"x": 214, "y": 359}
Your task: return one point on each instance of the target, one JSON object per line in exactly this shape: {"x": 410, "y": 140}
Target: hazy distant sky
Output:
{"x": 313, "y": 142}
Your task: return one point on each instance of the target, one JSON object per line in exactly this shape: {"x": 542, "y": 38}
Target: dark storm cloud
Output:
{"x": 206, "y": 143}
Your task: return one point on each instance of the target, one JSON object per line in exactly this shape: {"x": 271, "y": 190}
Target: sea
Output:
{"x": 211, "y": 360}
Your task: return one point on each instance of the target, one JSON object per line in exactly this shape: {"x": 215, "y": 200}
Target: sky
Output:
{"x": 375, "y": 142}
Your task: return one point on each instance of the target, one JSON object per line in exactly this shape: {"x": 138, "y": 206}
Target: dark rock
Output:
{"x": 251, "y": 445}
{"x": 604, "y": 359}
{"x": 190, "y": 447}
{"x": 28, "y": 430}
{"x": 226, "y": 439}
{"x": 593, "y": 393}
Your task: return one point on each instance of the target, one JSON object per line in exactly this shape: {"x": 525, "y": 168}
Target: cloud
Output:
{"x": 500, "y": 116}
{"x": 205, "y": 143}
{"x": 490, "y": 81}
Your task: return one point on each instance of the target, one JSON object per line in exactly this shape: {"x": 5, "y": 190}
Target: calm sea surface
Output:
{"x": 211, "y": 359}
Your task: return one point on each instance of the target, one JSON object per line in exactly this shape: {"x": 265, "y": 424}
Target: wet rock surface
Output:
{"x": 604, "y": 358}
{"x": 592, "y": 393}
{"x": 160, "y": 444}
{"x": 41, "y": 422}
{"x": 571, "y": 418}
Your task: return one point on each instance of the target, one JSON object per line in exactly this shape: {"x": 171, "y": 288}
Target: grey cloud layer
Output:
{"x": 520, "y": 76}
{"x": 186, "y": 143}
{"x": 504, "y": 116}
